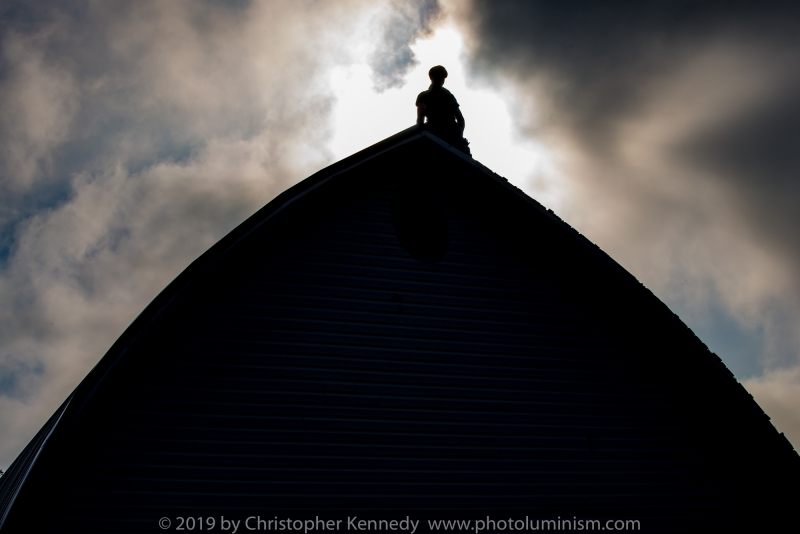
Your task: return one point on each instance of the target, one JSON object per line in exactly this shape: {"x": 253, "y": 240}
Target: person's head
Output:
{"x": 437, "y": 75}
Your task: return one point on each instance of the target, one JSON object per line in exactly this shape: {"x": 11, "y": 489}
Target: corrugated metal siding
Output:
{"x": 331, "y": 374}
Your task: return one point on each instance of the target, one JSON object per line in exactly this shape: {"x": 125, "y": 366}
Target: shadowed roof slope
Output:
{"x": 404, "y": 333}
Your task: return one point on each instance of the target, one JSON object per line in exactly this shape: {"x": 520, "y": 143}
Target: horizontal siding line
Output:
{"x": 595, "y": 396}
{"x": 345, "y": 394}
{"x": 460, "y": 252}
{"x": 634, "y": 471}
{"x": 586, "y": 459}
{"x": 461, "y": 481}
{"x": 399, "y": 275}
{"x": 475, "y": 287}
{"x": 394, "y": 340}
{"x": 449, "y": 495}
{"x": 499, "y": 383}
{"x": 299, "y": 304}
{"x": 525, "y": 314}
{"x": 416, "y": 323}
{"x": 530, "y": 350}
{"x": 234, "y": 322}
{"x": 499, "y": 362}
{"x": 341, "y": 378}
{"x": 307, "y": 412}
{"x": 352, "y": 376}
{"x": 367, "y": 257}
{"x": 461, "y": 233}
{"x": 199, "y": 358}
{"x": 459, "y": 430}
{"x": 303, "y": 285}
{"x": 412, "y": 319}
{"x": 301, "y": 412}
{"x": 343, "y": 245}
{"x": 457, "y": 441}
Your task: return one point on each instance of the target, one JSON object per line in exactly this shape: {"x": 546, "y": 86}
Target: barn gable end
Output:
{"x": 404, "y": 334}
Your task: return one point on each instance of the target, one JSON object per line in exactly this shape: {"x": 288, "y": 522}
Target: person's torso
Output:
{"x": 440, "y": 105}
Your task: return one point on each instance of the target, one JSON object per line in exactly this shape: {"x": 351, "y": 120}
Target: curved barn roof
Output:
{"x": 403, "y": 330}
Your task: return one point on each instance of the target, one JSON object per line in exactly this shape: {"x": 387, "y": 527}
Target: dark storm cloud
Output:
{"x": 602, "y": 60}
{"x": 393, "y": 57}
{"x": 757, "y": 154}
{"x": 601, "y": 55}
{"x": 678, "y": 129}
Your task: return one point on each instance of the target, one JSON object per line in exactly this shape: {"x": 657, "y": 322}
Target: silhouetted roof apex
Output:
{"x": 549, "y": 249}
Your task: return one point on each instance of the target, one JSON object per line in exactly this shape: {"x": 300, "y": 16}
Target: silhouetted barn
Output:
{"x": 405, "y": 334}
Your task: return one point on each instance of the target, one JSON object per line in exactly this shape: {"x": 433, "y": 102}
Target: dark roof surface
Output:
{"x": 507, "y": 292}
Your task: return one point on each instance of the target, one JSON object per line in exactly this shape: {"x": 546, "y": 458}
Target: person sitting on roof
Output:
{"x": 441, "y": 108}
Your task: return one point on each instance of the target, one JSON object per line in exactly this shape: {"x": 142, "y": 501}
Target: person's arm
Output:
{"x": 420, "y": 113}
{"x": 460, "y": 121}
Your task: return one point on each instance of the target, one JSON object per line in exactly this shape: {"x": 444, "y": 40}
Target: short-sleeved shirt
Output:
{"x": 440, "y": 106}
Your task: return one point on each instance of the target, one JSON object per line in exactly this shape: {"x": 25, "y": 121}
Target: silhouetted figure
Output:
{"x": 441, "y": 108}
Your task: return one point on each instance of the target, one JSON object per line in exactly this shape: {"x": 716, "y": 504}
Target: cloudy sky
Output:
{"x": 134, "y": 135}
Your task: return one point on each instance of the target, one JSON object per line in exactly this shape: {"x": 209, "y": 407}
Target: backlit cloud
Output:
{"x": 394, "y": 57}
